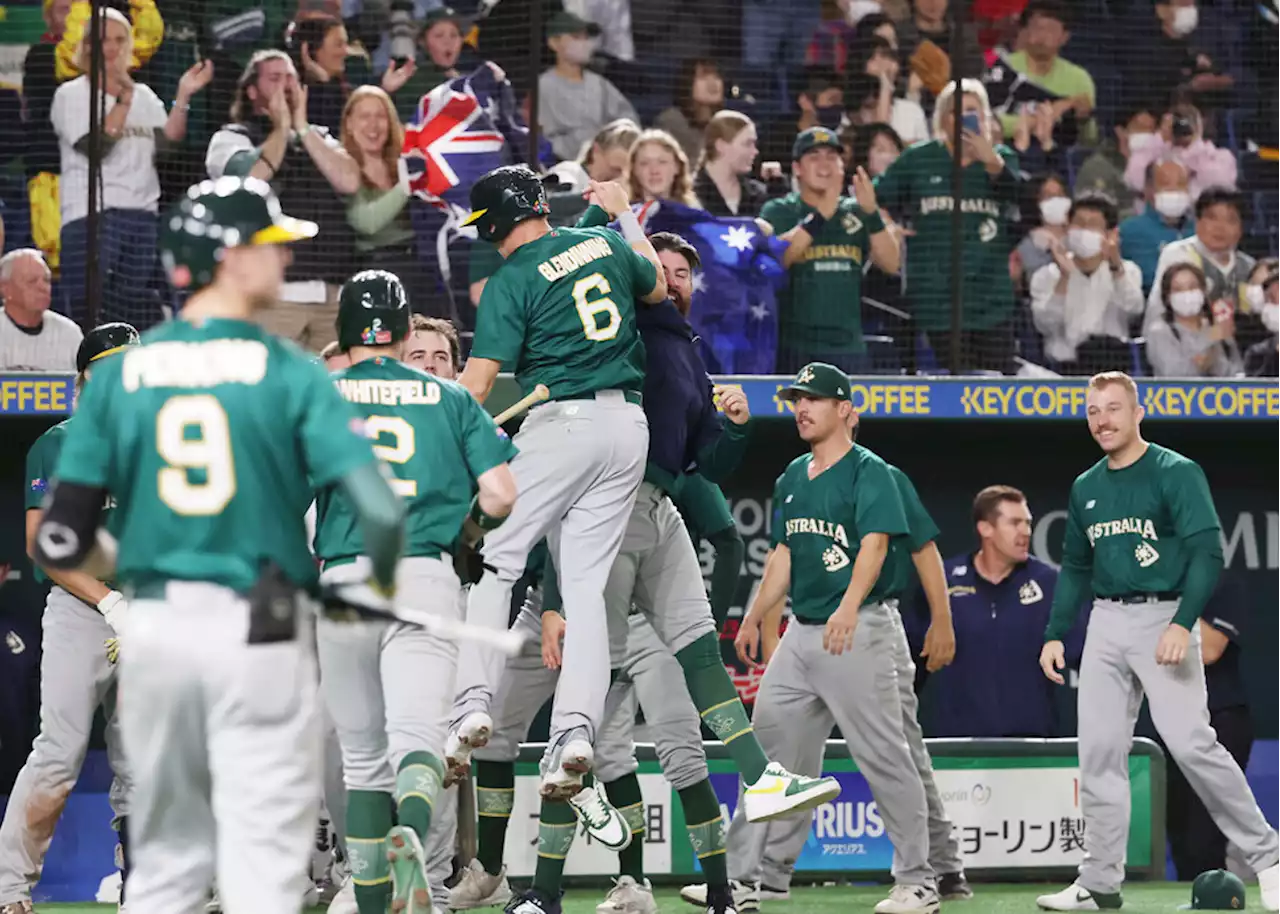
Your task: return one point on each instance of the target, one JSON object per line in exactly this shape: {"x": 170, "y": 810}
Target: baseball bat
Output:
{"x": 537, "y": 395}
{"x": 361, "y": 600}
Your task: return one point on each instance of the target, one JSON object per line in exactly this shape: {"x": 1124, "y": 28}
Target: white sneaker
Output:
{"x": 909, "y": 899}
{"x": 769, "y": 893}
{"x": 628, "y": 897}
{"x": 1074, "y": 897}
{"x": 345, "y": 901}
{"x": 473, "y": 733}
{"x": 479, "y": 889}
{"x": 746, "y": 897}
{"x": 214, "y": 904}
{"x": 565, "y": 779}
{"x": 778, "y": 793}
{"x": 1269, "y": 887}
{"x": 601, "y": 820}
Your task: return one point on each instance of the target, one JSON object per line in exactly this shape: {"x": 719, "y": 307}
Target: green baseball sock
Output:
{"x": 719, "y": 706}
{"x": 556, "y": 827}
{"x": 417, "y": 783}
{"x": 705, "y": 824}
{"x": 369, "y": 818}
{"x": 495, "y": 798}
{"x": 624, "y": 794}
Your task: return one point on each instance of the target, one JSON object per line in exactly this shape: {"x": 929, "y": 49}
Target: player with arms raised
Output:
{"x": 560, "y": 311}
{"x": 1144, "y": 537}
{"x": 389, "y": 685}
{"x": 212, "y": 436}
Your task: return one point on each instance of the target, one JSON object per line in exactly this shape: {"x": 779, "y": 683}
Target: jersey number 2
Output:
{"x": 589, "y": 308}
{"x": 401, "y": 451}
{"x": 210, "y": 454}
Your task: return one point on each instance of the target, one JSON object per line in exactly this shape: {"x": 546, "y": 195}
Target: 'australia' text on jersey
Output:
{"x": 1143, "y": 528}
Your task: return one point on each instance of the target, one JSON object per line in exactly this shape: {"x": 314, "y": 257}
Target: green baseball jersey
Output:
{"x": 212, "y": 437}
{"x": 561, "y": 311}
{"x": 821, "y": 308}
{"x": 436, "y": 440}
{"x": 921, "y": 530}
{"x": 917, "y": 186}
{"x": 702, "y": 506}
{"x": 1129, "y": 526}
{"x": 823, "y": 522}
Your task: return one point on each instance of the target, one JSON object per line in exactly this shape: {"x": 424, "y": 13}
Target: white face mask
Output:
{"x": 1054, "y": 210}
{"x": 1172, "y": 204}
{"x": 1188, "y": 303}
{"x": 1185, "y": 20}
{"x": 1271, "y": 318}
{"x": 1255, "y": 297}
{"x": 1084, "y": 243}
{"x": 578, "y": 50}
{"x": 1139, "y": 141}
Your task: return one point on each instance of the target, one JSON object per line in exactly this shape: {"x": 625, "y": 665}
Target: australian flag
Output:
{"x": 735, "y": 307}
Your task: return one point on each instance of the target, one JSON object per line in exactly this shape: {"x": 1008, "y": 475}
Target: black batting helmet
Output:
{"x": 503, "y": 199}
{"x": 103, "y": 341}
{"x": 373, "y": 310}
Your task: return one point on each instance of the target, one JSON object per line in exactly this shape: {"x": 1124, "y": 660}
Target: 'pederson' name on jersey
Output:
{"x": 205, "y": 363}
{"x": 1137, "y": 525}
{"x": 819, "y": 528}
{"x": 584, "y": 252}
{"x": 389, "y": 393}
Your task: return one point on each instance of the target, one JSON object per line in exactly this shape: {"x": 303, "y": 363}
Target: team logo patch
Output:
{"x": 834, "y": 558}
{"x": 502, "y": 433}
{"x": 805, "y": 375}
{"x": 851, "y": 223}
{"x": 15, "y": 643}
{"x": 1029, "y": 593}
{"x": 375, "y": 334}
{"x": 1146, "y": 554}
{"x": 39, "y": 485}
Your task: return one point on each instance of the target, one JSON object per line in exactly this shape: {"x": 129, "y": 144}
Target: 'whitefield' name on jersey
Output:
{"x": 579, "y": 255}
{"x": 1144, "y": 528}
{"x": 820, "y": 527}
{"x": 205, "y": 364}
{"x": 389, "y": 393}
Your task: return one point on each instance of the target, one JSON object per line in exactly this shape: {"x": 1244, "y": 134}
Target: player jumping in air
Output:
{"x": 1143, "y": 537}
{"x": 82, "y": 620}
{"x": 388, "y": 685}
{"x": 211, "y": 436}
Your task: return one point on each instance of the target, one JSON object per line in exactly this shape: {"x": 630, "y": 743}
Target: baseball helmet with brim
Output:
{"x": 104, "y": 341}
{"x": 373, "y": 310}
{"x": 503, "y": 199}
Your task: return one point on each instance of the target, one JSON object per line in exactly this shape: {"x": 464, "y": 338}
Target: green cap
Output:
{"x": 442, "y": 14}
{"x": 1216, "y": 890}
{"x": 566, "y": 23}
{"x": 818, "y": 379}
{"x": 811, "y": 139}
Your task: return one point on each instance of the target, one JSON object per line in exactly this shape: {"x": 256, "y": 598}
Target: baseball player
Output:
{"x": 561, "y": 312}
{"x": 212, "y": 436}
{"x": 839, "y": 509}
{"x": 391, "y": 720}
{"x": 77, "y": 673}
{"x": 1143, "y": 535}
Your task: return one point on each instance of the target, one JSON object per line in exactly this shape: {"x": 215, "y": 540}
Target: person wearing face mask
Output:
{"x": 1083, "y": 302}
{"x": 1191, "y": 339}
{"x": 724, "y": 184}
{"x": 1053, "y": 207}
{"x": 573, "y": 101}
{"x": 1103, "y": 170}
{"x": 1181, "y": 137}
{"x": 1165, "y": 217}
{"x": 821, "y": 104}
{"x": 1177, "y": 55}
{"x": 1262, "y": 360}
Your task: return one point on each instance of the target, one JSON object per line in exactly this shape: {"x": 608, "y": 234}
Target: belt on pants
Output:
{"x": 1133, "y": 598}
{"x": 631, "y": 396}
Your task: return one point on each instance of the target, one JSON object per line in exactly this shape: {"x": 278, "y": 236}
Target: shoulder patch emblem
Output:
{"x": 1029, "y": 593}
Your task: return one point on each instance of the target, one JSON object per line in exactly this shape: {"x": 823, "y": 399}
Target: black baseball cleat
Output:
{"x": 532, "y": 901}
{"x": 720, "y": 900}
{"x": 954, "y": 887}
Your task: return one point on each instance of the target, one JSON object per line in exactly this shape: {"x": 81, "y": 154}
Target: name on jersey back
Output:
{"x": 581, "y": 254}
{"x": 202, "y": 364}
{"x": 389, "y": 393}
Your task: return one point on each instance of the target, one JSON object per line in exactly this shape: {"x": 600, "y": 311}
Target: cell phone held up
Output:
{"x": 969, "y": 121}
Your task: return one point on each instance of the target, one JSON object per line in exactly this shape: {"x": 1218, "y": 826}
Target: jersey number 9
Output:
{"x": 209, "y": 455}
{"x": 400, "y": 452}
{"x": 590, "y": 308}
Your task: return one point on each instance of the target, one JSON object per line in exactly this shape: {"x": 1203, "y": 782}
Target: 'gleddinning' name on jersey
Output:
{"x": 203, "y": 364}
{"x": 579, "y": 255}
{"x": 819, "y": 527}
{"x": 389, "y": 393}
{"x": 1143, "y": 528}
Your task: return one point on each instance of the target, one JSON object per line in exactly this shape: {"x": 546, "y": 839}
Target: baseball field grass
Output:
{"x": 1139, "y": 898}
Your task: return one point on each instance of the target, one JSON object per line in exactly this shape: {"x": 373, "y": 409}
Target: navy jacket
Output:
{"x": 995, "y": 687}
{"x": 685, "y": 428}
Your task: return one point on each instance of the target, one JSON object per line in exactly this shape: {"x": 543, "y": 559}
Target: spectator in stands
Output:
{"x": 135, "y": 127}
{"x": 1035, "y": 141}
{"x": 658, "y": 170}
{"x": 890, "y": 107}
{"x": 269, "y": 137}
{"x": 1084, "y": 301}
{"x": 875, "y": 148}
{"x": 832, "y": 236}
{"x": 440, "y": 48}
{"x": 1104, "y": 169}
{"x": 916, "y": 188}
{"x": 433, "y": 346}
{"x": 1045, "y": 30}
{"x": 699, "y": 95}
{"x": 932, "y": 23}
{"x": 1176, "y": 58}
{"x": 821, "y": 104}
{"x": 1190, "y": 338}
{"x": 606, "y": 159}
{"x": 1000, "y": 600}
{"x": 1214, "y": 248}
{"x": 1262, "y": 360}
{"x": 724, "y": 184}
{"x": 776, "y": 35}
{"x": 1181, "y": 137}
{"x": 1036, "y": 250}
{"x": 573, "y": 101}
{"x": 39, "y": 81}
{"x": 869, "y": 32}
{"x": 33, "y": 338}
{"x": 1164, "y": 219}
{"x": 379, "y": 211}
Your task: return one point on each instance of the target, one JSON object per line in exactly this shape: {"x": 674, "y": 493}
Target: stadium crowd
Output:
{"x": 1120, "y": 209}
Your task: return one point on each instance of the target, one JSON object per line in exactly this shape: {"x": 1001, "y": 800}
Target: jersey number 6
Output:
{"x": 209, "y": 455}
{"x": 588, "y": 309}
{"x": 400, "y": 452}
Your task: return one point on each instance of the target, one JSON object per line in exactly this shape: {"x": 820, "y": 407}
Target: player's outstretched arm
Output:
{"x": 381, "y": 514}
{"x": 612, "y": 198}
